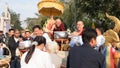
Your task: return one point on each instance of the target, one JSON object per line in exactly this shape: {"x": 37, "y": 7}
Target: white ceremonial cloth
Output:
{"x": 100, "y": 41}
{"x": 39, "y": 59}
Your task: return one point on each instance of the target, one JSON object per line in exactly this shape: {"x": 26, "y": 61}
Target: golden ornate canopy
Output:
{"x": 50, "y": 7}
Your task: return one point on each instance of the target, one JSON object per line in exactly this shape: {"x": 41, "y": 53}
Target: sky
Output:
{"x": 26, "y": 8}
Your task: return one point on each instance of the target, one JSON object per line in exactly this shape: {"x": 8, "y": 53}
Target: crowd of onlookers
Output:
{"x": 87, "y": 47}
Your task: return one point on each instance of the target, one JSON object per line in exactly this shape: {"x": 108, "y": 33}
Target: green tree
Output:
{"x": 39, "y": 20}
{"x": 15, "y": 20}
{"x": 86, "y": 10}
{"x": 94, "y": 11}
{"x": 68, "y": 15}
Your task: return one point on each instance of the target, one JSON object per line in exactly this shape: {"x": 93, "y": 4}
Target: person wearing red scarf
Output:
{"x": 59, "y": 25}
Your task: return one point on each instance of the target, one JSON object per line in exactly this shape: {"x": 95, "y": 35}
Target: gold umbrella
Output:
{"x": 50, "y": 8}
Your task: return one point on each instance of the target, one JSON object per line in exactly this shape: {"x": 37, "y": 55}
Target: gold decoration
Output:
{"x": 111, "y": 37}
{"x": 48, "y": 0}
{"x": 116, "y": 21}
{"x": 50, "y": 8}
{"x": 93, "y": 25}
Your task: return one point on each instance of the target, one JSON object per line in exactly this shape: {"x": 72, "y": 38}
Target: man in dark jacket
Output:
{"x": 13, "y": 44}
{"x": 2, "y": 37}
{"x": 119, "y": 64}
{"x": 85, "y": 56}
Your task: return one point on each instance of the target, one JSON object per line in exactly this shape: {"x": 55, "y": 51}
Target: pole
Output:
{"x": 75, "y": 13}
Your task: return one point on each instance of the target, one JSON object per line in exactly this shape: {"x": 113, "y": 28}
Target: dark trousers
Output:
{"x": 119, "y": 64}
{"x": 15, "y": 63}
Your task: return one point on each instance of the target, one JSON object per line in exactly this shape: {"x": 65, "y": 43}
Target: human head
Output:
{"x": 27, "y": 34}
{"x": 39, "y": 41}
{"x": 11, "y": 32}
{"x": 80, "y": 25}
{"x": 89, "y": 37}
{"x": 17, "y": 33}
{"x": 58, "y": 22}
{"x": 37, "y": 30}
{"x": 23, "y": 33}
{"x": 1, "y": 32}
{"x": 99, "y": 30}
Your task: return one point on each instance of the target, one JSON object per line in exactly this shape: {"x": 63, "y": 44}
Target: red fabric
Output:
{"x": 60, "y": 28}
{"x": 81, "y": 32}
{"x": 112, "y": 53}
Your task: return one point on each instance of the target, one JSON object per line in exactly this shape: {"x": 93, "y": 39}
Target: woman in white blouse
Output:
{"x": 36, "y": 57}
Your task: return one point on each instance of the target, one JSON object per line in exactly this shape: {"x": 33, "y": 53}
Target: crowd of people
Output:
{"x": 87, "y": 47}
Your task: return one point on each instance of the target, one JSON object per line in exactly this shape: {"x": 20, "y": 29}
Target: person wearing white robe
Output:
{"x": 100, "y": 38}
{"x": 39, "y": 58}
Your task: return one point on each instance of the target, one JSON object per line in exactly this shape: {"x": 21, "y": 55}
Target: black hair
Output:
{"x": 27, "y": 31}
{"x": 17, "y": 30}
{"x": 1, "y": 31}
{"x": 100, "y": 29}
{"x": 39, "y": 40}
{"x": 11, "y": 30}
{"x": 36, "y": 26}
{"x": 88, "y": 34}
{"x": 59, "y": 18}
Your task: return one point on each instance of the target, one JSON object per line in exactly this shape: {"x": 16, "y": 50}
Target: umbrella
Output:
{"x": 50, "y": 8}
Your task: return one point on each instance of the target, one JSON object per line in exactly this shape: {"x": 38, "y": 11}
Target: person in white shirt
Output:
{"x": 100, "y": 38}
{"x": 36, "y": 57}
{"x": 37, "y": 31}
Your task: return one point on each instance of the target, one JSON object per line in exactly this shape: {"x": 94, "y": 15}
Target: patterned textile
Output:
{"x": 109, "y": 53}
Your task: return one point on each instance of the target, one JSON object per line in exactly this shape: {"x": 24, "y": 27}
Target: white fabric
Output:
{"x": 57, "y": 60}
{"x": 56, "y": 55}
{"x": 16, "y": 39}
{"x": 47, "y": 37}
{"x": 39, "y": 59}
{"x": 100, "y": 41}
{"x": 1, "y": 52}
{"x": 2, "y": 45}
{"x": 76, "y": 40}
{"x": 17, "y": 52}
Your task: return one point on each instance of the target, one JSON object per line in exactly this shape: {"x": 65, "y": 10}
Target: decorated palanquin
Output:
{"x": 50, "y": 8}
{"x": 111, "y": 44}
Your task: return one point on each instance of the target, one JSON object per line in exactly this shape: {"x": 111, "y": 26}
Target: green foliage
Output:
{"x": 87, "y": 11}
{"x": 68, "y": 15}
{"x": 94, "y": 11}
{"x": 15, "y": 20}
{"x": 39, "y": 20}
